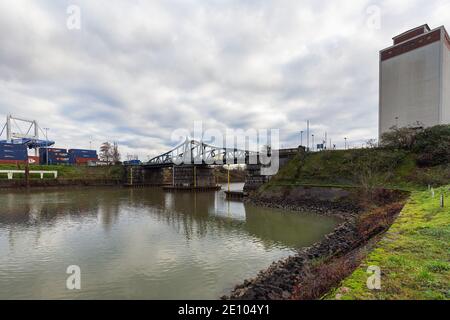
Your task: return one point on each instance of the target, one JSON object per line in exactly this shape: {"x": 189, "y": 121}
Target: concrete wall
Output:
{"x": 410, "y": 88}
{"x": 445, "y": 113}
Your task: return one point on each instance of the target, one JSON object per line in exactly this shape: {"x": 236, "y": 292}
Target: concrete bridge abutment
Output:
{"x": 194, "y": 176}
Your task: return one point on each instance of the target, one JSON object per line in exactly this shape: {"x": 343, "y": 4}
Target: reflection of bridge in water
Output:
{"x": 189, "y": 214}
{"x": 190, "y": 166}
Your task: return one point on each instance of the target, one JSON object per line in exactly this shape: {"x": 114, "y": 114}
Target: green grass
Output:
{"x": 69, "y": 172}
{"x": 394, "y": 169}
{"x": 414, "y": 255}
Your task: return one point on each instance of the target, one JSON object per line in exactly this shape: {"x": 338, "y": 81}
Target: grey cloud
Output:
{"x": 137, "y": 70}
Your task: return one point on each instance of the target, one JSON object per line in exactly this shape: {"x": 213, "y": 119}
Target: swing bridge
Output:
{"x": 191, "y": 166}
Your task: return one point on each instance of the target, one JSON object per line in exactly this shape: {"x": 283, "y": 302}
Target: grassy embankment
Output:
{"x": 105, "y": 173}
{"x": 414, "y": 255}
{"x": 368, "y": 168}
{"x": 69, "y": 172}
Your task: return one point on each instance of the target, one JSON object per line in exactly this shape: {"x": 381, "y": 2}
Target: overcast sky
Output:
{"x": 138, "y": 70}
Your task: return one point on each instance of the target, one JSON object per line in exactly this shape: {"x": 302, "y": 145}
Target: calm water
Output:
{"x": 140, "y": 244}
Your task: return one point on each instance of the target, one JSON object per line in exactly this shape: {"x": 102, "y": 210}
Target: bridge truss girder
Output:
{"x": 198, "y": 153}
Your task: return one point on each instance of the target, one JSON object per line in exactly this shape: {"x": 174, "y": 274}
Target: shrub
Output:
{"x": 401, "y": 138}
{"x": 432, "y": 146}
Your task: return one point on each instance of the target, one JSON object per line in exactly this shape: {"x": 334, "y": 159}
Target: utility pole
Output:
{"x": 345, "y": 146}
{"x": 312, "y": 142}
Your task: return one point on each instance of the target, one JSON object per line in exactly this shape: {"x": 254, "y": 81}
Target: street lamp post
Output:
{"x": 345, "y": 146}
{"x": 396, "y": 122}
{"x": 312, "y": 142}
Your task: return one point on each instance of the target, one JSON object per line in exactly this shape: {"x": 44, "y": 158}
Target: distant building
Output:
{"x": 415, "y": 79}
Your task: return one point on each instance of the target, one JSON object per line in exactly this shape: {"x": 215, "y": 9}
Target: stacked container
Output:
{"x": 132, "y": 162}
{"x": 81, "y": 156}
{"x": 55, "y": 156}
{"x": 11, "y": 153}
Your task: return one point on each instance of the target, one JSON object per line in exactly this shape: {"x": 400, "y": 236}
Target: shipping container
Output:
{"x": 82, "y": 150}
{"x": 13, "y": 152}
{"x": 84, "y": 161}
{"x": 82, "y": 156}
{"x": 44, "y": 150}
{"x": 82, "y": 153}
{"x": 132, "y": 162}
{"x": 16, "y": 155}
{"x": 56, "y": 156}
{"x": 14, "y": 162}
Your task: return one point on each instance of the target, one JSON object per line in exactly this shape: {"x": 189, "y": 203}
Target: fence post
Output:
{"x": 442, "y": 200}
{"x": 27, "y": 174}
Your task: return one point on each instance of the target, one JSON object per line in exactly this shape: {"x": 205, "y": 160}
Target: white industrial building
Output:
{"x": 415, "y": 79}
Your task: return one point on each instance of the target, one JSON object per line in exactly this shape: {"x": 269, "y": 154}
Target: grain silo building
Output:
{"x": 415, "y": 79}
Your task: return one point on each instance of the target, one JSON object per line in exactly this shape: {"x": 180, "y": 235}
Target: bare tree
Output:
{"x": 401, "y": 138}
{"x": 105, "y": 151}
{"x": 115, "y": 154}
{"x": 372, "y": 143}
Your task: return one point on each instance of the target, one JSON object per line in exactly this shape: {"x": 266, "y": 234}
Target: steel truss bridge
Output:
{"x": 193, "y": 152}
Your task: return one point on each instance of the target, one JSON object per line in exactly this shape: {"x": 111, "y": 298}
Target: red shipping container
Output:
{"x": 84, "y": 160}
{"x": 15, "y": 162}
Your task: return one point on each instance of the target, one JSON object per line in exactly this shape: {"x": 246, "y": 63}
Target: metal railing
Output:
{"x": 11, "y": 173}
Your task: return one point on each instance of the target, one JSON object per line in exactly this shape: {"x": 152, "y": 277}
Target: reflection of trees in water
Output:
{"x": 44, "y": 207}
{"x": 190, "y": 214}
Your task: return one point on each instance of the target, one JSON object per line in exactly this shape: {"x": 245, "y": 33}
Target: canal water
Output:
{"x": 141, "y": 243}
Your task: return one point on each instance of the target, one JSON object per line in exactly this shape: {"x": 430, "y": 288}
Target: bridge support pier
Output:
{"x": 193, "y": 176}
{"x": 143, "y": 176}
{"x": 154, "y": 176}
{"x": 254, "y": 179}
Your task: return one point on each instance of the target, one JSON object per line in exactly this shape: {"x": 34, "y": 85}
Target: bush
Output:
{"x": 401, "y": 138}
{"x": 432, "y": 146}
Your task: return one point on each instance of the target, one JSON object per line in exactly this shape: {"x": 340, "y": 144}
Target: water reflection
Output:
{"x": 141, "y": 243}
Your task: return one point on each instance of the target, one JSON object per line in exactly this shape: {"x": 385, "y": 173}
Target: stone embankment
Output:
{"x": 313, "y": 271}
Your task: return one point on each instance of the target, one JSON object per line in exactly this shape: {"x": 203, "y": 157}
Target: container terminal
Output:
{"x": 19, "y": 142}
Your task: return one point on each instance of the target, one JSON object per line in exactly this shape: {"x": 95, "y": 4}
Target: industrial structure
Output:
{"x": 415, "y": 79}
{"x": 23, "y": 135}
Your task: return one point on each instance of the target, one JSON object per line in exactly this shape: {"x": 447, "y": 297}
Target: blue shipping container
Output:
{"x": 9, "y": 151}
{"x": 132, "y": 162}
{"x": 44, "y": 150}
{"x": 55, "y": 156}
{"x": 82, "y": 151}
